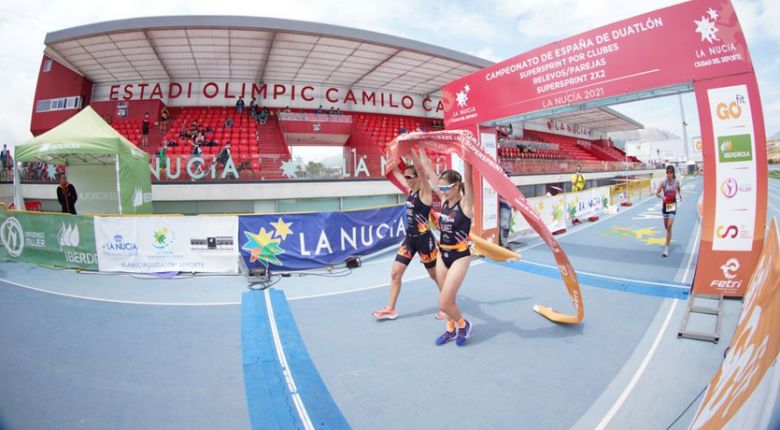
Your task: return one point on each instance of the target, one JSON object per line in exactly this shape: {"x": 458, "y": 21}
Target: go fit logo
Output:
{"x": 730, "y": 110}
{"x": 730, "y": 231}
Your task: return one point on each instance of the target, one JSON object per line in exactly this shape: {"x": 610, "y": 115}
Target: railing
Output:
{"x": 314, "y": 117}
{"x": 531, "y": 144}
{"x": 207, "y": 168}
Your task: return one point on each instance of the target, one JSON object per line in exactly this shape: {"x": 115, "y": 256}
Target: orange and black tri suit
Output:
{"x": 455, "y": 227}
{"x": 418, "y": 235}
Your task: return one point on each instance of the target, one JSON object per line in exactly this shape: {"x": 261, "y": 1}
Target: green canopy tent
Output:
{"x": 111, "y": 174}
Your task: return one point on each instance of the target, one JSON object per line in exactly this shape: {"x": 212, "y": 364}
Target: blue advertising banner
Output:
{"x": 307, "y": 241}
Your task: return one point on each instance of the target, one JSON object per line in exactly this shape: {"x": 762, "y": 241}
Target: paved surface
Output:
{"x": 124, "y": 352}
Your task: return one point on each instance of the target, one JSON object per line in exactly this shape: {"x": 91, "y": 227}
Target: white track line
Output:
{"x": 124, "y": 302}
{"x": 684, "y": 279}
{"x": 624, "y": 395}
{"x": 596, "y": 275}
{"x": 373, "y": 287}
{"x": 303, "y": 414}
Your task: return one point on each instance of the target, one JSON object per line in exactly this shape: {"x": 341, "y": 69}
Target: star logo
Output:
{"x": 282, "y": 229}
{"x": 262, "y": 247}
{"x": 462, "y": 96}
{"x": 51, "y": 171}
{"x": 713, "y": 14}
{"x": 288, "y": 169}
{"x": 707, "y": 29}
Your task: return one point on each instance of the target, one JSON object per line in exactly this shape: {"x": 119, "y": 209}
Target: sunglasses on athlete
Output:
{"x": 409, "y": 177}
{"x": 445, "y": 187}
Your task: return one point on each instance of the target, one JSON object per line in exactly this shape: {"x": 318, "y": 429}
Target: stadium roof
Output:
{"x": 240, "y": 48}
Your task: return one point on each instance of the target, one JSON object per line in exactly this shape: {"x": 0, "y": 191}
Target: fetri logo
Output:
{"x": 462, "y": 96}
{"x": 730, "y": 268}
{"x": 729, "y": 187}
{"x": 730, "y": 231}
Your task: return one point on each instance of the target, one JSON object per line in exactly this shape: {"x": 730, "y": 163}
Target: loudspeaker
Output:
{"x": 352, "y": 262}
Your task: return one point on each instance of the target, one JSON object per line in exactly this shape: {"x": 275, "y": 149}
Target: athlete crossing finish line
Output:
{"x": 463, "y": 143}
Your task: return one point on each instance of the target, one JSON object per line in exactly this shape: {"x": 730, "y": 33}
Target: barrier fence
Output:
{"x": 279, "y": 241}
{"x": 146, "y": 244}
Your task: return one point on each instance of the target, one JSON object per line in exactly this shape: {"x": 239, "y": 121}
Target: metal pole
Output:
{"x": 684, "y": 128}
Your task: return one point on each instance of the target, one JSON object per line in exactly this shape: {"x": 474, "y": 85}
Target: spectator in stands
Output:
{"x": 287, "y": 110}
{"x": 66, "y": 194}
{"x": 401, "y": 130}
{"x": 252, "y": 105}
{"x": 164, "y": 119}
{"x": 257, "y": 110}
{"x": 183, "y": 132}
{"x": 172, "y": 143}
{"x": 240, "y": 106}
{"x": 229, "y": 122}
{"x": 200, "y": 139}
{"x": 224, "y": 155}
{"x": 332, "y": 111}
{"x": 263, "y": 117}
{"x": 338, "y": 111}
{"x": 209, "y": 138}
{"x": 145, "y": 129}
{"x": 319, "y": 110}
{"x": 196, "y": 151}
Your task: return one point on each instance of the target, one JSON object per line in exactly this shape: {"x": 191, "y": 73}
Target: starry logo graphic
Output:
{"x": 264, "y": 246}
{"x": 706, "y": 26}
{"x": 462, "y": 96}
{"x": 162, "y": 238}
{"x": 288, "y": 169}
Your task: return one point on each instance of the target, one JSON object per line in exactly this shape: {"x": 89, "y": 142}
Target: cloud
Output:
{"x": 493, "y": 30}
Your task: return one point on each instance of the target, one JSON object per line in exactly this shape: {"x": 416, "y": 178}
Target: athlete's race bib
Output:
{"x": 671, "y": 207}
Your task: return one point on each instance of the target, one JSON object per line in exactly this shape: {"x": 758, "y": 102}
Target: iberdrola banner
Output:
{"x": 312, "y": 240}
{"x": 464, "y": 144}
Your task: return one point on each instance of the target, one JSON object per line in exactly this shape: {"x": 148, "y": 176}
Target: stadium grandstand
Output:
{"x": 301, "y": 85}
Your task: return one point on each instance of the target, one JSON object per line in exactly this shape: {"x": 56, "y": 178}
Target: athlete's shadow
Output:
{"x": 487, "y": 326}
{"x": 461, "y": 301}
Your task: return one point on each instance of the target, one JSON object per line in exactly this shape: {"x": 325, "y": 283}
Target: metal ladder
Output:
{"x": 699, "y": 309}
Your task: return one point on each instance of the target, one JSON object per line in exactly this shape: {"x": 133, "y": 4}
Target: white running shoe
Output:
{"x": 666, "y": 251}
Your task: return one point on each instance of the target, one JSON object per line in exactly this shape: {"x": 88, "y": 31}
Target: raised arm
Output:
{"x": 428, "y": 173}
{"x": 425, "y": 183}
{"x": 468, "y": 188}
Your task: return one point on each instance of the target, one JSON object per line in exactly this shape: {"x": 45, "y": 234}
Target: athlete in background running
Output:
{"x": 419, "y": 239}
{"x": 454, "y": 256}
{"x": 671, "y": 193}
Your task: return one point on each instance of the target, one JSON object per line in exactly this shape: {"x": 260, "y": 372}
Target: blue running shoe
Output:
{"x": 446, "y": 337}
{"x": 464, "y": 334}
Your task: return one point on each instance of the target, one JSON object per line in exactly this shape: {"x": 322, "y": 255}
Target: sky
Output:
{"x": 494, "y": 30}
